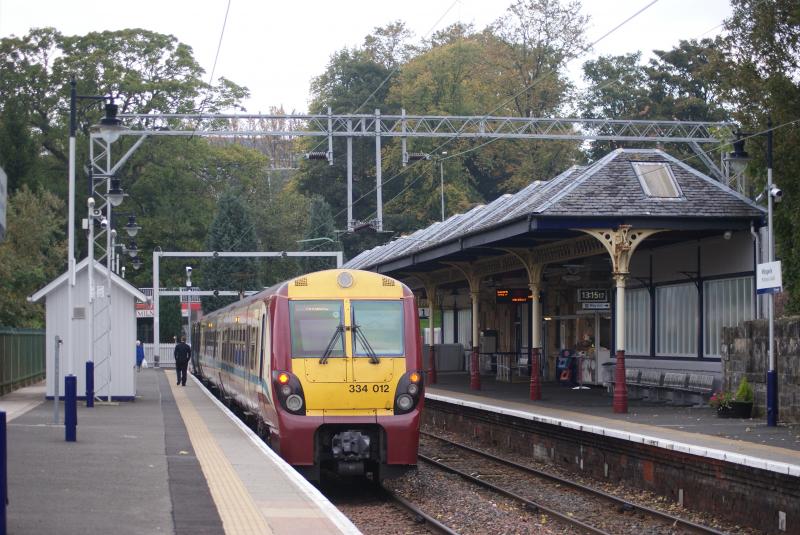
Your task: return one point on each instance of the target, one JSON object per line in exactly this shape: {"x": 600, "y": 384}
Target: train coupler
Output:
{"x": 350, "y": 446}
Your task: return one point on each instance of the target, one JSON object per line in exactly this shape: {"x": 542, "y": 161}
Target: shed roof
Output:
{"x": 603, "y": 194}
{"x": 99, "y": 268}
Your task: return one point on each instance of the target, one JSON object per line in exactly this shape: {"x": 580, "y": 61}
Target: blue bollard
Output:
{"x": 70, "y": 407}
{"x": 772, "y": 398}
{"x": 3, "y": 474}
{"x": 89, "y": 383}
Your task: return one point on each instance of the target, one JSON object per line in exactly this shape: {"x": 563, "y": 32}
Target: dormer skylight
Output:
{"x": 657, "y": 180}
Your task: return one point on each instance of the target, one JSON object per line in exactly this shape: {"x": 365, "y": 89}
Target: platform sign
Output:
{"x": 768, "y": 278}
{"x": 596, "y": 306}
{"x": 512, "y": 295}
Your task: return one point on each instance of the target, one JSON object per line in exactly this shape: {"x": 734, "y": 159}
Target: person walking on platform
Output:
{"x": 139, "y": 355}
{"x": 183, "y": 353}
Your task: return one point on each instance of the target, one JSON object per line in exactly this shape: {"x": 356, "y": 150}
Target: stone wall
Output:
{"x": 745, "y": 352}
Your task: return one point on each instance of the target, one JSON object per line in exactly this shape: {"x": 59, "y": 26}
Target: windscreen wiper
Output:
{"x": 373, "y": 357}
{"x": 336, "y": 334}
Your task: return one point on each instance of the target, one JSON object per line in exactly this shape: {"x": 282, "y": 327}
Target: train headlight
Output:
{"x": 413, "y": 389}
{"x": 405, "y": 402}
{"x": 283, "y": 378}
{"x": 344, "y": 280}
{"x": 294, "y": 403}
{"x": 286, "y": 390}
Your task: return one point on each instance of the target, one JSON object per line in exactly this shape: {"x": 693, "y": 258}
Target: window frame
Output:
{"x": 640, "y": 175}
{"x": 399, "y": 303}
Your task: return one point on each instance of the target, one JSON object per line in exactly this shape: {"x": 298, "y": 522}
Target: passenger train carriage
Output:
{"x": 329, "y": 363}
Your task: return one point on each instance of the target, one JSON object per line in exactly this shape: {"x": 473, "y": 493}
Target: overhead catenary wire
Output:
{"x": 503, "y": 103}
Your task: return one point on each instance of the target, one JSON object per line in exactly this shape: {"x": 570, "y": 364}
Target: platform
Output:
{"x": 696, "y": 430}
{"x": 173, "y": 461}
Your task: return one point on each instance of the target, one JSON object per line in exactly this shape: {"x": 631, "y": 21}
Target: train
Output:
{"x": 328, "y": 366}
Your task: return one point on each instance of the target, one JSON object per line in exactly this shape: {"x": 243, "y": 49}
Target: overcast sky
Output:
{"x": 276, "y": 48}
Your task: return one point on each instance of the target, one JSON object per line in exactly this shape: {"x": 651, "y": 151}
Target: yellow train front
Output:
{"x": 343, "y": 388}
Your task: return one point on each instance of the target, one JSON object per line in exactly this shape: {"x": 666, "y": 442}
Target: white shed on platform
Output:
{"x": 113, "y": 330}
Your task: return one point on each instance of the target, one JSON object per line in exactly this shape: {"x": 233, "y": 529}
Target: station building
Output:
{"x": 114, "y": 352}
{"x": 637, "y": 259}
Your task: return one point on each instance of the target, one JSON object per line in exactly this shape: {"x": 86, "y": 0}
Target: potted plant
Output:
{"x": 743, "y": 403}
{"x": 729, "y": 405}
{"x": 722, "y": 402}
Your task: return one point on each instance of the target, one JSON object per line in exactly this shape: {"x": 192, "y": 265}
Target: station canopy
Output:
{"x": 644, "y": 188}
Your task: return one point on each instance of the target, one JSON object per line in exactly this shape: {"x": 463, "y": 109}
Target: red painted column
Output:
{"x": 432, "y": 369}
{"x": 536, "y": 383}
{"x": 474, "y": 372}
{"x": 620, "y": 388}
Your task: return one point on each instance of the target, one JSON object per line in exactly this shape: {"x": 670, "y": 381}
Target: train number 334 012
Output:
{"x": 366, "y": 388}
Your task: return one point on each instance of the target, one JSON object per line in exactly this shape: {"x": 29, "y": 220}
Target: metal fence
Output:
{"x": 166, "y": 356}
{"x": 22, "y": 357}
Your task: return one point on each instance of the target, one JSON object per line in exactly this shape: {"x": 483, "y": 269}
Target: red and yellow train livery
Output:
{"x": 329, "y": 363}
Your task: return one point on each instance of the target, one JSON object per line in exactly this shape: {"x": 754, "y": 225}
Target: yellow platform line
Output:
{"x": 236, "y": 507}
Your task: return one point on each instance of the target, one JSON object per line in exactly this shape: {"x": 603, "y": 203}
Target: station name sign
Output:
{"x": 768, "y": 278}
{"x": 513, "y": 295}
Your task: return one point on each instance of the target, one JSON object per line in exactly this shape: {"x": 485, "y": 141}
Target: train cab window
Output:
{"x": 317, "y": 326}
{"x": 381, "y": 324}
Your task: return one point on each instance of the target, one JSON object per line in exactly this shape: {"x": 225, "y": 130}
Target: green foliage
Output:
{"x": 31, "y": 255}
{"x": 745, "y": 391}
{"x": 320, "y": 229}
{"x": 231, "y": 230}
{"x": 761, "y": 80}
{"x": 170, "y": 320}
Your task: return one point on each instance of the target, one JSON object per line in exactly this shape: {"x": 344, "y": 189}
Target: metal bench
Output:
{"x": 674, "y": 386}
{"x": 702, "y": 384}
{"x": 632, "y": 376}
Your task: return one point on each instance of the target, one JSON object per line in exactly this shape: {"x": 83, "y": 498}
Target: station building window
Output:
{"x": 448, "y": 323}
{"x": 726, "y": 302}
{"x": 657, "y": 180}
{"x": 676, "y": 320}
{"x": 637, "y": 321}
{"x": 465, "y": 327}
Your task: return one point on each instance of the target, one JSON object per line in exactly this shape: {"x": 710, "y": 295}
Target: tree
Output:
{"x": 231, "y": 230}
{"x": 30, "y": 256}
{"x": 761, "y": 78}
{"x": 530, "y": 45}
{"x": 319, "y": 230}
{"x": 388, "y": 45}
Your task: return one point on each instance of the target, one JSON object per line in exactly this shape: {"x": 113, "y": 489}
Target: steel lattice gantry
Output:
{"x": 404, "y": 126}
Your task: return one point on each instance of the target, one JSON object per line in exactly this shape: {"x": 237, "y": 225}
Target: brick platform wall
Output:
{"x": 741, "y": 494}
{"x": 745, "y": 352}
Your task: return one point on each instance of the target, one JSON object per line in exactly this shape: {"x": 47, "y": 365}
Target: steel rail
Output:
{"x": 535, "y": 506}
{"x": 541, "y": 473}
{"x": 429, "y": 520}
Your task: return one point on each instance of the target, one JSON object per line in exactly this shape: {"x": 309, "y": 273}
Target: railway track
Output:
{"x": 377, "y": 510}
{"x": 584, "y": 508}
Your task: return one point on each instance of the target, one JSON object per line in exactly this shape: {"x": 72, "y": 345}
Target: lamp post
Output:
{"x": 738, "y": 160}
{"x": 109, "y": 129}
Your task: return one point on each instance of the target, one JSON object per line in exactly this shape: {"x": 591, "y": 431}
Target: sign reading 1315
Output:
{"x": 592, "y": 295}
